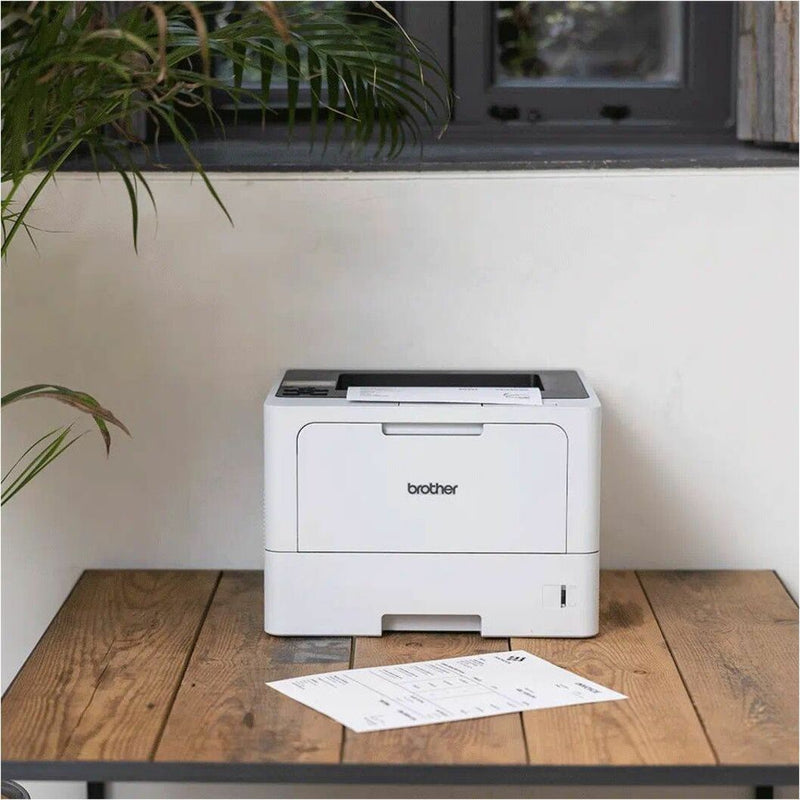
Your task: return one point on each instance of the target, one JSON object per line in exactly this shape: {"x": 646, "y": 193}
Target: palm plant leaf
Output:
{"x": 74, "y": 76}
{"x": 53, "y": 445}
{"x": 81, "y": 400}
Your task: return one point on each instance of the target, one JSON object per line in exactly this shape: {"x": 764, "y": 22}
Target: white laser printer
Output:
{"x": 431, "y": 501}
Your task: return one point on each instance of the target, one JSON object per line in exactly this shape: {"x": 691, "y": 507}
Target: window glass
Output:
{"x": 355, "y": 13}
{"x": 578, "y": 43}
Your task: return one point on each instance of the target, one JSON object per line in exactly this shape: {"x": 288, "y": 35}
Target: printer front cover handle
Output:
{"x": 431, "y": 429}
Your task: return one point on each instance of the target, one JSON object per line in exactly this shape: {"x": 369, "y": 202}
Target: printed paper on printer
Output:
{"x": 426, "y": 692}
{"x": 522, "y": 396}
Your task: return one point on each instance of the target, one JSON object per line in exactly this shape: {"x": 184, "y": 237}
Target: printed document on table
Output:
{"x": 522, "y": 396}
{"x": 426, "y": 692}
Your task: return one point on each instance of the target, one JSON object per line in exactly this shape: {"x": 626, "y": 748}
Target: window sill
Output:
{"x": 458, "y": 153}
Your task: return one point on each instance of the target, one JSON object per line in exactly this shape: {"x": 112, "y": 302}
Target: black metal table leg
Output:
{"x": 97, "y": 789}
{"x": 765, "y": 791}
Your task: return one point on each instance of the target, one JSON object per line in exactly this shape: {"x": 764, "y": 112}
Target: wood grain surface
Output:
{"x": 733, "y": 636}
{"x": 172, "y": 665}
{"x": 785, "y": 82}
{"x": 655, "y": 725}
{"x": 224, "y": 711}
{"x": 492, "y": 740}
{"x": 767, "y": 96}
{"x": 101, "y": 682}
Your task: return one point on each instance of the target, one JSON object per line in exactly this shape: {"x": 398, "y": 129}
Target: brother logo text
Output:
{"x": 432, "y": 488}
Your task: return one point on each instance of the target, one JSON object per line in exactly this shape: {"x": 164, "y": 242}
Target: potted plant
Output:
{"x": 82, "y": 78}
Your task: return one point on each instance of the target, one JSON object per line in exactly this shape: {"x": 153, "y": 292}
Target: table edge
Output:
{"x": 279, "y": 772}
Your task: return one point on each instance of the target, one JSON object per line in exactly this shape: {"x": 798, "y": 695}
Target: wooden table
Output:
{"x": 159, "y": 675}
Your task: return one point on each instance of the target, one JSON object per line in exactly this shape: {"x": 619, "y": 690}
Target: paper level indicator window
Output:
{"x": 559, "y": 595}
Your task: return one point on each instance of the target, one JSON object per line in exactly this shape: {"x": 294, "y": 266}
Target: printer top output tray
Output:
{"x": 554, "y": 384}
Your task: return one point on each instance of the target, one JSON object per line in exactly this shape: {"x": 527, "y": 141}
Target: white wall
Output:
{"x": 676, "y": 291}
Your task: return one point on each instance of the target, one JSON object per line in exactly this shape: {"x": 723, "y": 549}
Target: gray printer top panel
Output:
{"x": 322, "y": 383}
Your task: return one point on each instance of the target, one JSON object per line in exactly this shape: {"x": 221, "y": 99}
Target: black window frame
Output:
{"x": 459, "y": 34}
{"x": 245, "y": 143}
{"x": 702, "y": 101}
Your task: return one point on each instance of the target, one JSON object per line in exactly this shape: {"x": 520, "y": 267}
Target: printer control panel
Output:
{"x": 303, "y": 391}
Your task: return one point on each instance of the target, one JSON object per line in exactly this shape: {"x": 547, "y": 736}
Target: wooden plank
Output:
{"x": 785, "y": 84}
{"x": 766, "y": 107}
{"x": 100, "y": 683}
{"x": 492, "y": 740}
{"x": 795, "y": 59}
{"x": 746, "y": 100}
{"x": 655, "y": 725}
{"x": 764, "y": 125}
{"x": 782, "y": 87}
{"x": 224, "y": 712}
{"x": 734, "y": 638}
